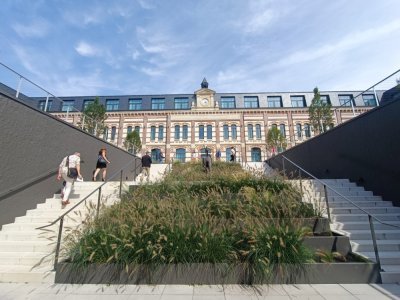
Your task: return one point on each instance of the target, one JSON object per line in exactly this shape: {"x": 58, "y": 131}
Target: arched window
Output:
{"x": 258, "y": 131}
{"x": 209, "y": 132}
{"x": 113, "y": 133}
{"x": 105, "y": 134}
{"x": 307, "y": 131}
{"x": 180, "y": 155}
{"x": 201, "y": 132}
{"x": 250, "y": 134}
{"x": 299, "y": 131}
{"x": 274, "y": 126}
{"x": 152, "y": 133}
{"x": 226, "y": 132}
{"x": 155, "y": 155}
{"x": 160, "y": 133}
{"x": 255, "y": 154}
{"x": 137, "y": 129}
{"x": 282, "y": 129}
{"x": 185, "y": 132}
{"x": 129, "y": 129}
{"x": 177, "y": 132}
{"x": 234, "y": 132}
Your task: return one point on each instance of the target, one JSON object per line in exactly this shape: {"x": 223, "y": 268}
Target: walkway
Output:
{"x": 31, "y": 291}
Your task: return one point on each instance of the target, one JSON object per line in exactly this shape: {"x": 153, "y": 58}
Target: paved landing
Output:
{"x": 16, "y": 291}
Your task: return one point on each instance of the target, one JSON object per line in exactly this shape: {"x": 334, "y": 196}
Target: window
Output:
{"x": 234, "y": 132}
{"x": 227, "y": 102}
{"x": 135, "y": 104}
{"x": 201, "y": 132}
{"x": 177, "y": 132}
{"x": 137, "y": 129}
{"x": 113, "y": 132}
{"x": 251, "y": 102}
{"x": 307, "y": 131}
{"x": 152, "y": 133}
{"x": 274, "y": 101}
{"x": 129, "y": 130}
{"x": 258, "y": 131}
{"x": 68, "y": 105}
{"x": 274, "y": 126}
{"x": 157, "y": 103}
{"x": 42, "y": 105}
{"x": 255, "y": 154}
{"x": 86, "y": 103}
{"x": 228, "y": 154}
{"x": 155, "y": 154}
{"x": 226, "y": 132}
{"x": 112, "y": 104}
{"x": 250, "y": 131}
{"x": 369, "y": 100}
{"x": 325, "y": 99}
{"x": 105, "y": 134}
{"x": 298, "y": 101}
{"x": 185, "y": 132}
{"x": 282, "y": 130}
{"x": 180, "y": 154}
{"x": 346, "y": 100}
{"x": 181, "y": 103}
{"x": 209, "y": 132}
{"x": 160, "y": 133}
{"x": 298, "y": 131}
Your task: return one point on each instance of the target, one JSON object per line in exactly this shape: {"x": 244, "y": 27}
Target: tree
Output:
{"x": 94, "y": 116}
{"x": 320, "y": 113}
{"x": 276, "y": 142}
{"x": 132, "y": 142}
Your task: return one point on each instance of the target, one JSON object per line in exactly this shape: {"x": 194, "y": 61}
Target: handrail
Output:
{"x": 27, "y": 183}
{"x": 370, "y": 216}
{"x": 61, "y": 218}
{"x": 323, "y": 183}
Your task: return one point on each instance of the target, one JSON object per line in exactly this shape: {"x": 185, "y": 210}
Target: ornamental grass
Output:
{"x": 226, "y": 217}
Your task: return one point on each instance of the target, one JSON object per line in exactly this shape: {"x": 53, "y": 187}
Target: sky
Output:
{"x": 139, "y": 47}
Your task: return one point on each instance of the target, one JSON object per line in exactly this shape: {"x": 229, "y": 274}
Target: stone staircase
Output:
{"x": 26, "y": 253}
{"x": 350, "y": 221}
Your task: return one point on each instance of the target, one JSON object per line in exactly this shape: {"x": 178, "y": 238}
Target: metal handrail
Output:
{"x": 370, "y": 216}
{"x": 61, "y": 218}
{"x": 27, "y": 183}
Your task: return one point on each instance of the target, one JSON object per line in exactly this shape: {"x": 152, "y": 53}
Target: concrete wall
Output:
{"x": 33, "y": 144}
{"x": 364, "y": 149}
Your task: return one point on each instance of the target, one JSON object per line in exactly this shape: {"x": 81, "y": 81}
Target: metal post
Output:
{"x": 327, "y": 203}
{"x": 60, "y": 228}
{"x": 120, "y": 185}
{"x": 19, "y": 86}
{"x": 371, "y": 226}
{"x": 98, "y": 203}
{"x": 47, "y": 102}
{"x": 352, "y": 106}
{"x": 376, "y": 97}
{"x": 66, "y": 119}
{"x": 301, "y": 184}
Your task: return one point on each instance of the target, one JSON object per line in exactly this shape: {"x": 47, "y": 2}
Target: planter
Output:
{"x": 316, "y": 273}
{"x": 339, "y": 244}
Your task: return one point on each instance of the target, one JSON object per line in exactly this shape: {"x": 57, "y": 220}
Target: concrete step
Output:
{"x": 345, "y": 193}
{"x": 383, "y": 245}
{"x": 54, "y": 211}
{"x": 33, "y": 235}
{"x": 364, "y": 217}
{"x": 366, "y": 234}
{"x": 341, "y": 204}
{"x": 363, "y": 225}
{"x": 10, "y": 273}
{"x": 370, "y": 210}
{"x": 386, "y": 258}
{"x": 29, "y": 259}
{"x": 26, "y": 246}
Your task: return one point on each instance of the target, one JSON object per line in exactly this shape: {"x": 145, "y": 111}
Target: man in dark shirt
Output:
{"x": 146, "y": 164}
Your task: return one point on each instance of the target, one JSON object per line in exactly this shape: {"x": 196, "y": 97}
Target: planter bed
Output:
{"x": 314, "y": 273}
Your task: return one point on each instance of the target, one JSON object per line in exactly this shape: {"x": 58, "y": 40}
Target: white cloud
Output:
{"x": 85, "y": 49}
{"x": 146, "y": 4}
{"x": 259, "y": 21}
{"x": 38, "y": 28}
{"x": 135, "y": 54}
{"x": 152, "y": 72}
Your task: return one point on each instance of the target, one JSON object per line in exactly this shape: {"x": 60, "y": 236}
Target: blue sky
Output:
{"x": 93, "y": 47}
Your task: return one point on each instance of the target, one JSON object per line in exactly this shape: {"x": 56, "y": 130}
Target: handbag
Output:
{"x": 72, "y": 172}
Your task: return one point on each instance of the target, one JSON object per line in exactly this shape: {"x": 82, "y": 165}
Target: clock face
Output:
{"x": 204, "y": 102}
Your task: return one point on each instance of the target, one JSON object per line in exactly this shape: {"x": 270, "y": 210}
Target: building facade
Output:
{"x": 182, "y": 126}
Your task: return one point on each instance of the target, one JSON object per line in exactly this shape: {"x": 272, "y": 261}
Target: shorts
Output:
{"x": 101, "y": 165}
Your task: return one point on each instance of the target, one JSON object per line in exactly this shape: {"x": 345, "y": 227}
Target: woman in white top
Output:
{"x": 72, "y": 162}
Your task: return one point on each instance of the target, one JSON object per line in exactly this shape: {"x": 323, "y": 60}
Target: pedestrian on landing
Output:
{"x": 146, "y": 164}
{"x": 233, "y": 154}
{"x": 101, "y": 164}
{"x": 206, "y": 161}
{"x": 218, "y": 154}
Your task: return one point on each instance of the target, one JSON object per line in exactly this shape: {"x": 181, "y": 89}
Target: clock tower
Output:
{"x": 205, "y": 98}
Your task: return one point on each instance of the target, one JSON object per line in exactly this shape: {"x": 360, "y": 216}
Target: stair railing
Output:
{"x": 98, "y": 189}
{"x": 326, "y": 187}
